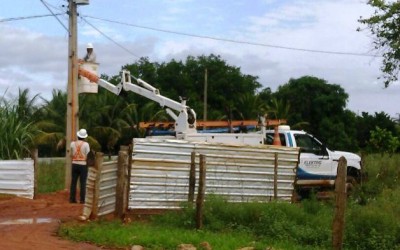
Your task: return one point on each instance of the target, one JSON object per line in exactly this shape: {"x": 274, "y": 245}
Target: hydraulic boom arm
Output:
{"x": 185, "y": 120}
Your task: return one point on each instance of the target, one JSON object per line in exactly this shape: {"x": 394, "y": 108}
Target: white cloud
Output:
{"x": 39, "y": 60}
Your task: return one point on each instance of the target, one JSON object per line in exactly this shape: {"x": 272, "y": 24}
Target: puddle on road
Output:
{"x": 27, "y": 221}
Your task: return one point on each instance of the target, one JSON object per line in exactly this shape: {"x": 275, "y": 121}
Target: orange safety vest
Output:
{"x": 78, "y": 156}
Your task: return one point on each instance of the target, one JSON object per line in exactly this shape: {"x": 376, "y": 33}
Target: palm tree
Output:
{"x": 250, "y": 106}
{"x": 278, "y": 109}
{"x": 26, "y": 107}
{"x": 51, "y": 135}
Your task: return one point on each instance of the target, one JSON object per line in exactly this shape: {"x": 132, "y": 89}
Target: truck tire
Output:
{"x": 353, "y": 178}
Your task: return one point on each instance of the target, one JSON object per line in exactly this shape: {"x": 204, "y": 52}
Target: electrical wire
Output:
{"x": 178, "y": 33}
{"x": 109, "y": 38}
{"x": 45, "y": 4}
{"x": 231, "y": 40}
{"x": 28, "y": 17}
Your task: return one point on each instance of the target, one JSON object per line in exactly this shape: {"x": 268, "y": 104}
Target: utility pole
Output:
{"x": 205, "y": 97}
{"x": 72, "y": 90}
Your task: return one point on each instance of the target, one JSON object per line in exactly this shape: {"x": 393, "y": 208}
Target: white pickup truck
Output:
{"x": 317, "y": 165}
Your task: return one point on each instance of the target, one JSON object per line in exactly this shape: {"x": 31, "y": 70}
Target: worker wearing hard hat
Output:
{"x": 90, "y": 55}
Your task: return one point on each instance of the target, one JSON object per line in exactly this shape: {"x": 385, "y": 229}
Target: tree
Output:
{"x": 383, "y": 141}
{"x": 186, "y": 79}
{"x": 321, "y": 105}
{"x": 51, "y": 135}
{"x": 367, "y": 123}
{"x": 384, "y": 24}
{"x": 278, "y": 109}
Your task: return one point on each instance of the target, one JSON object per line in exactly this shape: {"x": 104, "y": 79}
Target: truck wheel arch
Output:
{"x": 353, "y": 175}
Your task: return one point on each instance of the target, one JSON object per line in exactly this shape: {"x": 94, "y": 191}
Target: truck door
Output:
{"x": 315, "y": 162}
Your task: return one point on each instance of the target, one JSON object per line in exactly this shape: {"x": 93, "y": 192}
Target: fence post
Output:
{"x": 276, "y": 177}
{"x": 341, "y": 196}
{"x": 96, "y": 189}
{"x": 128, "y": 178}
{"x": 201, "y": 192}
{"x": 121, "y": 183}
{"x": 192, "y": 177}
{"x": 35, "y": 157}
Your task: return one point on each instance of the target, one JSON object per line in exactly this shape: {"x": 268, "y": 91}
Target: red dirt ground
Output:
{"x": 32, "y": 224}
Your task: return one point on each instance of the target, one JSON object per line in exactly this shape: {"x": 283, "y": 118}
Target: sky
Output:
{"x": 276, "y": 40}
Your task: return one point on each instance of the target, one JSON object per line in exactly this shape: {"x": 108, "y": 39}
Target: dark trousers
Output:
{"x": 78, "y": 172}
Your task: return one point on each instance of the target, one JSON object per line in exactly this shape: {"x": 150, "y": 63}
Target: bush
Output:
{"x": 371, "y": 228}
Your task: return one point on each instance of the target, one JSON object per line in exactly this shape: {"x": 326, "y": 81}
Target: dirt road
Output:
{"x": 32, "y": 224}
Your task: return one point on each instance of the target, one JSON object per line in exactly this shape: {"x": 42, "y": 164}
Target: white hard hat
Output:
{"x": 89, "y": 46}
{"x": 82, "y": 133}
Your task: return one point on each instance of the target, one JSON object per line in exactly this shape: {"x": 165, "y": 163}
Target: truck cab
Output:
{"x": 317, "y": 164}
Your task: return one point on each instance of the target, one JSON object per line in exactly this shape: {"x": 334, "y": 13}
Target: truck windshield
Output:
{"x": 308, "y": 144}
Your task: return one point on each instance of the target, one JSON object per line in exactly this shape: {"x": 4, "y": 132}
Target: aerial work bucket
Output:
{"x": 84, "y": 84}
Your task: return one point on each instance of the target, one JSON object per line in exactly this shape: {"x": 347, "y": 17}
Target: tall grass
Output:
{"x": 15, "y": 134}
{"x": 51, "y": 175}
{"x": 372, "y": 221}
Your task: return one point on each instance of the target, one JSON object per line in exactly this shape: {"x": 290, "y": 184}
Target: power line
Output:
{"x": 180, "y": 33}
{"x": 62, "y": 24}
{"x": 109, "y": 38}
{"x": 233, "y": 41}
{"x": 28, "y": 17}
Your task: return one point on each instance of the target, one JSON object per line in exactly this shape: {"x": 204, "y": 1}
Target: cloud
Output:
{"x": 39, "y": 61}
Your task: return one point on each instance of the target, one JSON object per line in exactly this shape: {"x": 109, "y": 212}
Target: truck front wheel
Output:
{"x": 353, "y": 178}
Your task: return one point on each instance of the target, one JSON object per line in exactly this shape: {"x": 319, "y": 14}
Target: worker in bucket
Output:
{"x": 90, "y": 55}
{"x": 79, "y": 151}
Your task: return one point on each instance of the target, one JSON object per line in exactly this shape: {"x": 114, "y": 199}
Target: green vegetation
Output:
{"x": 372, "y": 221}
{"x": 307, "y": 103}
{"x": 51, "y": 175}
{"x": 16, "y": 126}
{"x": 384, "y": 26}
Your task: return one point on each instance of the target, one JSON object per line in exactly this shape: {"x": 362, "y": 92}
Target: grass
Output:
{"x": 51, "y": 175}
{"x": 372, "y": 221}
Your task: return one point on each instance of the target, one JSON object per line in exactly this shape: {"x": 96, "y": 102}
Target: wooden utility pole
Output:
{"x": 72, "y": 123}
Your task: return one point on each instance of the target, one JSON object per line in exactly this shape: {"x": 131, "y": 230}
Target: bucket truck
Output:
{"x": 317, "y": 164}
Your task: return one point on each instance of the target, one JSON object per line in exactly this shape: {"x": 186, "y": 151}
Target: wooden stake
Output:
{"x": 96, "y": 193}
{"x": 340, "y": 207}
{"x": 35, "y": 157}
{"x": 121, "y": 183}
{"x": 192, "y": 177}
{"x": 201, "y": 193}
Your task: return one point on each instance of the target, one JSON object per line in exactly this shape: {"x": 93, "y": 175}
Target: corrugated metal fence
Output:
{"x": 160, "y": 172}
{"x": 101, "y": 188}
{"x": 158, "y": 175}
{"x": 17, "y": 178}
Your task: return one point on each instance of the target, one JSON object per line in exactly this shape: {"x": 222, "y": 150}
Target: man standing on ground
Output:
{"x": 79, "y": 150}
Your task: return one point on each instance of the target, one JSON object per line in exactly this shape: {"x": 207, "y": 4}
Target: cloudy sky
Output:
{"x": 275, "y": 40}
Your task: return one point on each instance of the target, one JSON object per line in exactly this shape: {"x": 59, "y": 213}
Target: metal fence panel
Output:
{"x": 17, "y": 178}
{"x": 108, "y": 184}
{"x": 160, "y": 172}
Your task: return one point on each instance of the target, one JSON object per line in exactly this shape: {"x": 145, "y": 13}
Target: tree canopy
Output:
{"x": 384, "y": 24}
{"x": 308, "y": 103}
